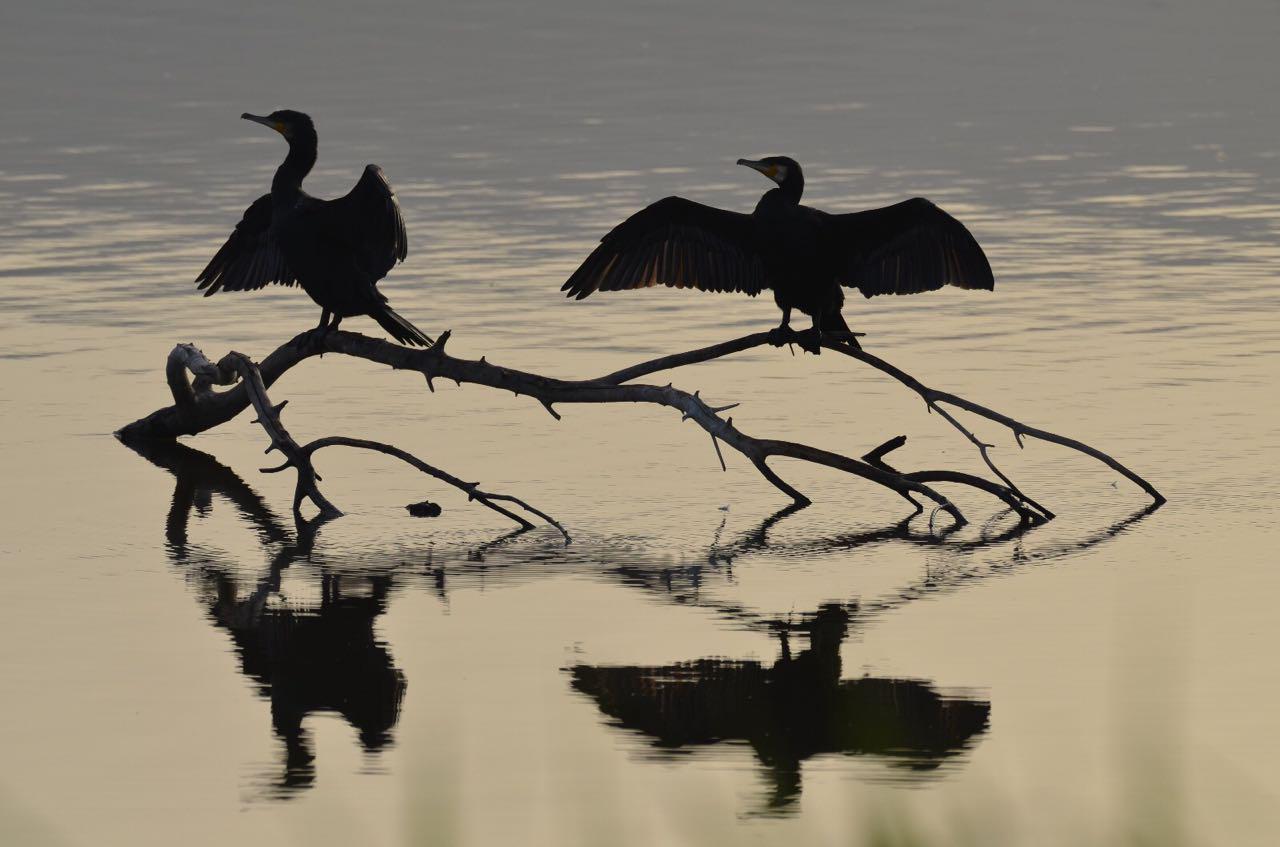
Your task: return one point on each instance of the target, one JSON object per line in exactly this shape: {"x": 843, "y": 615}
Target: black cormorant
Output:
{"x": 803, "y": 254}
{"x": 337, "y": 250}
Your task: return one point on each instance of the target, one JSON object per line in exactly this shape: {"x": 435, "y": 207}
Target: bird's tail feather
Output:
{"x": 400, "y": 328}
{"x": 834, "y": 322}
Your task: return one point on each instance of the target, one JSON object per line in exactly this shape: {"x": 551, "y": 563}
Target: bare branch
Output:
{"x": 931, "y": 397}
{"x": 876, "y": 456}
{"x": 983, "y": 447}
{"x": 719, "y": 455}
{"x": 187, "y": 357}
{"x": 213, "y": 408}
{"x": 1019, "y": 429}
{"x": 300, "y": 457}
{"x": 471, "y": 489}
{"x": 295, "y": 456}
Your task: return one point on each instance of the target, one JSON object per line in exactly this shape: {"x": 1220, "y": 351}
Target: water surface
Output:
{"x": 181, "y": 663}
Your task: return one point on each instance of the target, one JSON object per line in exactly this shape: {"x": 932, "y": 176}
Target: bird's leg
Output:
{"x": 337, "y": 319}
{"x": 781, "y": 334}
{"x": 316, "y": 334}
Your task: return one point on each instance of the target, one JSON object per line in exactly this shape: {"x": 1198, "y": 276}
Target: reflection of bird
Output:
{"x": 337, "y": 250}
{"x": 315, "y": 659}
{"x": 797, "y": 708}
{"x": 306, "y": 658}
{"x": 804, "y": 255}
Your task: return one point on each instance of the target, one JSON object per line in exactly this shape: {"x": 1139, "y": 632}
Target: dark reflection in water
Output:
{"x": 683, "y": 584}
{"x": 309, "y": 658}
{"x": 797, "y": 708}
{"x": 323, "y": 656}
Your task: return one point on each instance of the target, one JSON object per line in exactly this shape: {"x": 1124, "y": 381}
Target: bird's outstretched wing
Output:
{"x": 678, "y": 243}
{"x": 906, "y": 248}
{"x": 250, "y": 259}
{"x": 368, "y": 219}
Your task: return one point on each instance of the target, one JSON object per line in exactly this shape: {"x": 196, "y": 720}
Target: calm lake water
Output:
{"x": 179, "y": 665}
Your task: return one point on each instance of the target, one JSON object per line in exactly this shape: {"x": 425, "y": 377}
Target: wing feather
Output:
{"x": 678, "y": 243}
{"x": 906, "y": 248}
{"x": 250, "y": 258}
{"x": 368, "y": 219}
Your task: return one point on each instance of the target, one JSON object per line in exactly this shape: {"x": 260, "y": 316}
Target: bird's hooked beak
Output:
{"x": 774, "y": 172}
{"x": 278, "y": 126}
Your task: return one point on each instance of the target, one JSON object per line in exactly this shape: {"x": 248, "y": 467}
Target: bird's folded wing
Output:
{"x": 905, "y": 248}
{"x": 368, "y": 219}
{"x": 249, "y": 259}
{"x": 678, "y": 243}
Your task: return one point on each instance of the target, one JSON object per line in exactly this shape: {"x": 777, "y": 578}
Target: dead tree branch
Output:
{"x": 471, "y": 489}
{"x": 207, "y": 409}
{"x": 294, "y": 457}
{"x": 932, "y": 398}
{"x": 300, "y": 457}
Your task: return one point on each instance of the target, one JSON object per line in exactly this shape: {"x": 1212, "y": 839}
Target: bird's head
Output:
{"x": 287, "y": 122}
{"x": 780, "y": 169}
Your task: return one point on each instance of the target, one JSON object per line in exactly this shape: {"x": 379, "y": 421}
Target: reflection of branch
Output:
{"x": 683, "y": 585}
{"x": 208, "y": 409}
{"x": 299, "y": 457}
{"x": 934, "y": 583}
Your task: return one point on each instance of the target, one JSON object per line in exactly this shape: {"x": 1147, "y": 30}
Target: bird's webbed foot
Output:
{"x": 315, "y": 336}
{"x": 782, "y": 335}
{"x": 810, "y": 340}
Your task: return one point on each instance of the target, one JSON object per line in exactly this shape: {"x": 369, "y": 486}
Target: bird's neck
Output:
{"x": 778, "y": 201}
{"x": 792, "y": 188}
{"x": 295, "y": 167}
{"x": 782, "y": 199}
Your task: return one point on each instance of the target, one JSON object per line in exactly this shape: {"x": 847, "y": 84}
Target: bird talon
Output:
{"x": 315, "y": 338}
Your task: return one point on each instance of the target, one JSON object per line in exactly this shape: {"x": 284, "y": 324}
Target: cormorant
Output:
{"x": 803, "y": 254}
{"x": 337, "y": 250}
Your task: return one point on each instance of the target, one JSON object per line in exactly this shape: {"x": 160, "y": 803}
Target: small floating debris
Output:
{"x": 425, "y": 509}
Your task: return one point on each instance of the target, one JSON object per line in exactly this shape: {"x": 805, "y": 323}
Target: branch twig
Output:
{"x": 931, "y": 396}
{"x": 471, "y": 489}
{"x": 269, "y": 418}
{"x": 300, "y": 457}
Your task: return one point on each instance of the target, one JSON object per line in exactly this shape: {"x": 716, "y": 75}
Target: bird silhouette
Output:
{"x": 337, "y": 250}
{"x": 804, "y": 255}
